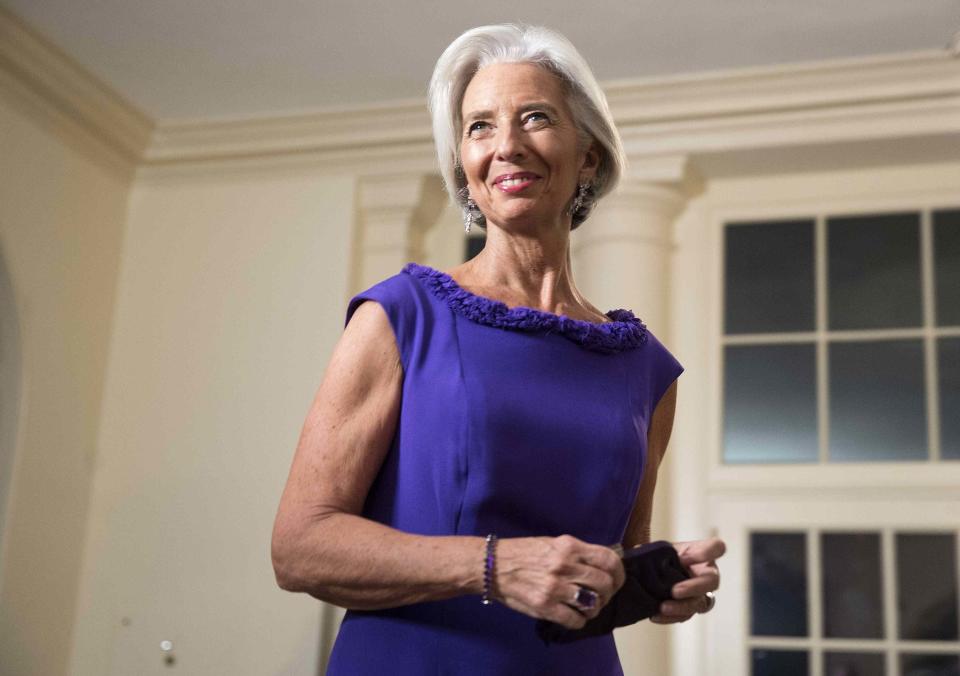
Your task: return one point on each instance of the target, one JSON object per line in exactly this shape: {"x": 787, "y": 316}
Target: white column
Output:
{"x": 622, "y": 258}
{"x": 395, "y": 211}
{"x": 622, "y": 252}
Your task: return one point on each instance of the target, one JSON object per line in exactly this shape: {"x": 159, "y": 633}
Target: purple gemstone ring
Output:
{"x": 585, "y": 598}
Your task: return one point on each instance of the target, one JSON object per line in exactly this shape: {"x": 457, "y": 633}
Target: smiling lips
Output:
{"x": 511, "y": 183}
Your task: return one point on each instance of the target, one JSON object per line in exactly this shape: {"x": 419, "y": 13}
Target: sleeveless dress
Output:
{"x": 513, "y": 421}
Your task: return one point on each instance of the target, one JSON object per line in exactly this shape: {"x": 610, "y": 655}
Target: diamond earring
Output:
{"x": 470, "y": 209}
{"x": 468, "y": 214}
{"x": 580, "y": 199}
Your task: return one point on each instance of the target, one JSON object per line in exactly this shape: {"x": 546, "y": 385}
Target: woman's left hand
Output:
{"x": 694, "y": 595}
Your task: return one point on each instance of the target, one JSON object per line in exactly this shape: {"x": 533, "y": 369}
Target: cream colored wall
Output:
{"x": 231, "y": 297}
{"x": 62, "y": 211}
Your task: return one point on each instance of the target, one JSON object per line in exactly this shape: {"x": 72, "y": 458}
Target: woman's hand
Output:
{"x": 690, "y": 596}
{"x": 540, "y": 577}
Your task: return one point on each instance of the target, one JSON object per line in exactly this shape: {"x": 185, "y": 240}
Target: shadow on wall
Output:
{"x": 9, "y": 388}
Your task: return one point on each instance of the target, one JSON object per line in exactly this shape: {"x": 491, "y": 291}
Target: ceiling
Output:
{"x": 177, "y": 59}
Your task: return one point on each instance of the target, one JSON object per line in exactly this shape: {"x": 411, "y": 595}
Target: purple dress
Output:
{"x": 513, "y": 421}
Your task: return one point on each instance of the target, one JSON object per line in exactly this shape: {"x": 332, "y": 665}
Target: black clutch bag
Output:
{"x": 651, "y": 571}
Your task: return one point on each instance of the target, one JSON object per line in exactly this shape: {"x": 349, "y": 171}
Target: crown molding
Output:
{"x": 742, "y": 114}
{"x": 867, "y": 100}
{"x": 852, "y": 100}
{"x": 794, "y": 87}
{"x": 70, "y": 90}
{"x": 329, "y": 131}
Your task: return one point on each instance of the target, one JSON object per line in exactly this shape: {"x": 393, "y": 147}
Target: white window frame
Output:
{"x": 929, "y": 473}
{"x": 730, "y": 640}
{"x": 903, "y": 496}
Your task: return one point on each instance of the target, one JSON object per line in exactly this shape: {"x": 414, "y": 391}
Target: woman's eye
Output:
{"x": 475, "y": 127}
{"x": 537, "y": 118}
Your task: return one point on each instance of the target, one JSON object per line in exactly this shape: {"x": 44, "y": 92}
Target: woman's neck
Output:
{"x": 520, "y": 270}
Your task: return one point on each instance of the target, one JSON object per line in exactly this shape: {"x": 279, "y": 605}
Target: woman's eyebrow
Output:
{"x": 525, "y": 108}
{"x": 540, "y": 105}
{"x": 477, "y": 114}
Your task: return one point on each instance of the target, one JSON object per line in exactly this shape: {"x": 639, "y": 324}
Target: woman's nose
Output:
{"x": 509, "y": 143}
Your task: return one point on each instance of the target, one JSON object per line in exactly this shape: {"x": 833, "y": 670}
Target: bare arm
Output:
{"x": 322, "y": 546}
{"x": 698, "y": 556}
{"x": 658, "y": 436}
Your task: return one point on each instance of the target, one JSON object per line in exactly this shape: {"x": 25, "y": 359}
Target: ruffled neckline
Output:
{"x": 624, "y": 330}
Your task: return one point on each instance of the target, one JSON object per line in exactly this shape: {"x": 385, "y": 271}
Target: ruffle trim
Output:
{"x": 623, "y": 332}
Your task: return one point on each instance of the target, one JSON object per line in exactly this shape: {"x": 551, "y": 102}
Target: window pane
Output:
{"x": 874, "y": 271}
{"x": 929, "y": 665}
{"x": 927, "y": 586}
{"x": 854, "y": 664}
{"x": 769, "y": 277}
{"x": 770, "y": 403}
{"x": 852, "y": 587}
{"x": 946, "y": 254}
{"x": 779, "y": 662}
{"x": 877, "y": 401}
{"x": 778, "y": 584}
{"x": 948, "y": 364}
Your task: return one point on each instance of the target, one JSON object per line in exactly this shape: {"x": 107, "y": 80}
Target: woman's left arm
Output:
{"x": 690, "y": 596}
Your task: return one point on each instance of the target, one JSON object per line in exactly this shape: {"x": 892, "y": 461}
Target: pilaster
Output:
{"x": 394, "y": 213}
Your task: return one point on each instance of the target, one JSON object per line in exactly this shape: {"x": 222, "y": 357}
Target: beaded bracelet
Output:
{"x": 491, "y": 559}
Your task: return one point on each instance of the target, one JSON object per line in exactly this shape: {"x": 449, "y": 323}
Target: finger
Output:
{"x": 683, "y": 607}
{"x": 599, "y": 581}
{"x": 577, "y": 595}
{"x": 697, "y": 586}
{"x": 568, "y": 549}
{"x": 606, "y": 560}
{"x": 576, "y": 598}
{"x": 569, "y": 617}
{"x": 700, "y": 551}
{"x": 665, "y": 619}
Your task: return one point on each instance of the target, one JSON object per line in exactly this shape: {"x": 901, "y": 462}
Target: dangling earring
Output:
{"x": 580, "y": 199}
{"x": 470, "y": 209}
{"x": 469, "y": 214}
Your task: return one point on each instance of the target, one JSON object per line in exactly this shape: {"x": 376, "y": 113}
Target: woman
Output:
{"x": 482, "y": 435}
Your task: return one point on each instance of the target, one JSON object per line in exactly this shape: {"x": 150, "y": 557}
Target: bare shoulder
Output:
{"x": 349, "y": 425}
{"x": 369, "y": 319}
{"x": 368, "y": 335}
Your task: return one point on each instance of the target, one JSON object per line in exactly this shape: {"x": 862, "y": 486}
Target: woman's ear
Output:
{"x": 591, "y": 162}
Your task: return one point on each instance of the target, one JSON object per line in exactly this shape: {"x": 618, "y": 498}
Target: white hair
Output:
{"x": 512, "y": 43}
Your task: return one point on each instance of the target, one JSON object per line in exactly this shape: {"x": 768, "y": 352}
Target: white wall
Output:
{"x": 62, "y": 210}
{"x": 231, "y": 297}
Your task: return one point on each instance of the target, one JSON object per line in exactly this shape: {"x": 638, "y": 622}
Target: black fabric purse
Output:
{"x": 651, "y": 571}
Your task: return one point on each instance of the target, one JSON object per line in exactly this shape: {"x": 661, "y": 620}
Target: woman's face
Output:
{"x": 519, "y": 146}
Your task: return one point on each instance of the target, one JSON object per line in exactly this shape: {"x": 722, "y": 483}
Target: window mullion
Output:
{"x": 930, "y": 338}
{"x": 890, "y": 618}
{"x": 820, "y": 305}
{"x": 814, "y": 601}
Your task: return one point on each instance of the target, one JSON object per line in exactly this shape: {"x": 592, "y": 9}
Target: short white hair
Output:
{"x": 513, "y": 43}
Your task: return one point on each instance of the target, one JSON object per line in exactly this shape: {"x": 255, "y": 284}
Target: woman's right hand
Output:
{"x": 540, "y": 577}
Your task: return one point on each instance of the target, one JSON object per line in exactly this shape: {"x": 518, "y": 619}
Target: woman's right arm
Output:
{"x": 322, "y": 546}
